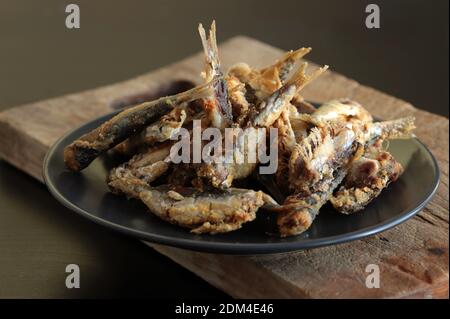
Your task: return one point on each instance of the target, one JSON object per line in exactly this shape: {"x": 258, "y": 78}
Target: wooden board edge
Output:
{"x": 24, "y": 159}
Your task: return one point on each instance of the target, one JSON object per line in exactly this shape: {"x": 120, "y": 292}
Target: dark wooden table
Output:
{"x": 38, "y": 237}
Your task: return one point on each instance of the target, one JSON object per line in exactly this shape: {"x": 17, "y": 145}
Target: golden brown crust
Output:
{"x": 83, "y": 151}
{"x": 366, "y": 180}
{"x": 317, "y": 149}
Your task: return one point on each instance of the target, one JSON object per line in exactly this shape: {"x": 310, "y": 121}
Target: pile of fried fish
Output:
{"x": 333, "y": 153}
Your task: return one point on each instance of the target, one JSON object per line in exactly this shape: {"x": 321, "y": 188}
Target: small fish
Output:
{"x": 210, "y": 212}
{"x": 217, "y": 105}
{"x": 160, "y": 131}
{"x": 298, "y": 211}
{"x": 84, "y": 150}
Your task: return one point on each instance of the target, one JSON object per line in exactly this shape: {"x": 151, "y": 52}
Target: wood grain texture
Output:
{"x": 413, "y": 257}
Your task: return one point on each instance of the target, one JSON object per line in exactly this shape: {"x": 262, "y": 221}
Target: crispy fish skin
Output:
{"x": 329, "y": 146}
{"x": 83, "y": 151}
{"x": 211, "y": 211}
{"x": 317, "y": 166}
{"x": 162, "y": 130}
{"x": 142, "y": 168}
{"x": 237, "y": 92}
{"x": 365, "y": 181}
{"x": 342, "y": 111}
{"x": 271, "y": 108}
{"x": 286, "y": 143}
{"x": 131, "y": 145}
{"x": 332, "y": 149}
{"x": 298, "y": 211}
{"x": 287, "y": 62}
{"x": 302, "y": 106}
{"x": 251, "y": 111}
{"x": 203, "y": 212}
{"x": 267, "y": 80}
{"x": 221, "y": 175}
{"x": 315, "y": 159}
{"x": 394, "y": 129}
{"x": 217, "y": 105}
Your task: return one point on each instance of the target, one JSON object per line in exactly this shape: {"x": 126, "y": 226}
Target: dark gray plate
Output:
{"x": 87, "y": 194}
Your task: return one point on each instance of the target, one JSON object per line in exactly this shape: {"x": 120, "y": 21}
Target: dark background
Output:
{"x": 40, "y": 58}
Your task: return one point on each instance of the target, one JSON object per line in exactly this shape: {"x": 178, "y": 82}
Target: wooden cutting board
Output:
{"x": 413, "y": 257}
